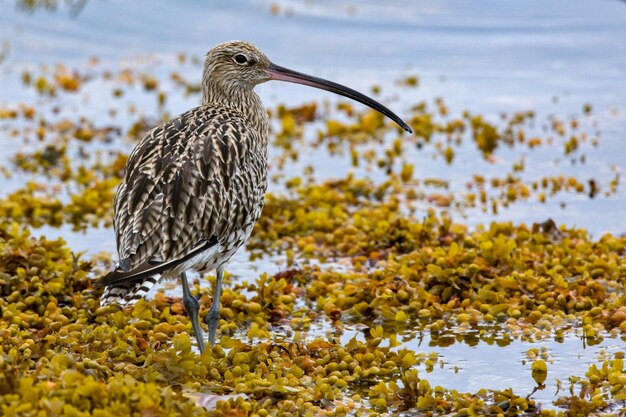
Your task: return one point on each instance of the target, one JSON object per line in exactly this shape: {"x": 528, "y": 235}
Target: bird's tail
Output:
{"x": 125, "y": 287}
{"x": 127, "y": 293}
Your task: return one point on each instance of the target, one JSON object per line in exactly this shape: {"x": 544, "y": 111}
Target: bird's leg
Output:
{"x": 213, "y": 318}
{"x": 192, "y": 307}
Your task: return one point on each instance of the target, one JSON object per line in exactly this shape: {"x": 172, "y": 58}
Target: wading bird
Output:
{"x": 194, "y": 187}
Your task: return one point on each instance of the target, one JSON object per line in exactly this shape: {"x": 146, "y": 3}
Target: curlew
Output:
{"x": 194, "y": 187}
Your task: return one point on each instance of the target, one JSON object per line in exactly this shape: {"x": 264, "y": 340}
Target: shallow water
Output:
{"x": 468, "y": 367}
{"x": 549, "y": 57}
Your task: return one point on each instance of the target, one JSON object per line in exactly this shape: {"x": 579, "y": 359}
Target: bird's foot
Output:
{"x": 212, "y": 321}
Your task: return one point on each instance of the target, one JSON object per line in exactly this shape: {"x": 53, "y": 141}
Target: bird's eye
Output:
{"x": 241, "y": 59}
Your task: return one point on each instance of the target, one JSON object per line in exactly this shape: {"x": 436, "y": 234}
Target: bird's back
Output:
{"x": 192, "y": 186}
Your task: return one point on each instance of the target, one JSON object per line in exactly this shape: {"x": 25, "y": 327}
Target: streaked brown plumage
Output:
{"x": 194, "y": 187}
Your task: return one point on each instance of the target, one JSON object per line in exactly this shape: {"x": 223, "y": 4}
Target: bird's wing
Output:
{"x": 186, "y": 186}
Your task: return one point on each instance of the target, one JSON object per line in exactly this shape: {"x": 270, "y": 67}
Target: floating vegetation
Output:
{"x": 379, "y": 253}
{"x": 74, "y": 6}
{"x": 56, "y": 340}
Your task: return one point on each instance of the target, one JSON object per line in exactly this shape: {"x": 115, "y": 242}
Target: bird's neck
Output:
{"x": 246, "y": 102}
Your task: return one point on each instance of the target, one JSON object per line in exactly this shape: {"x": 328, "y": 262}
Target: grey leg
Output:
{"x": 213, "y": 318}
{"x": 192, "y": 307}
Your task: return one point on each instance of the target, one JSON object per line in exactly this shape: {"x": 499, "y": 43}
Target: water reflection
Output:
{"x": 469, "y": 361}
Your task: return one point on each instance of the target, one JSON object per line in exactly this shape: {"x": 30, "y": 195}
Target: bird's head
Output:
{"x": 239, "y": 65}
{"x": 236, "y": 64}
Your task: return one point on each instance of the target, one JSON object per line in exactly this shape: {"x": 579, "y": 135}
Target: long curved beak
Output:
{"x": 279, "y": 73}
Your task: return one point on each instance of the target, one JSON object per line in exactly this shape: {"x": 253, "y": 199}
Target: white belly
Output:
{"x": 215, "y": 256}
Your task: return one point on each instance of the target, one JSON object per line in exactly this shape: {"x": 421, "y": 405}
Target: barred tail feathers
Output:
{"x": 127, "y": 293}
{"x": 126, "y": 287}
